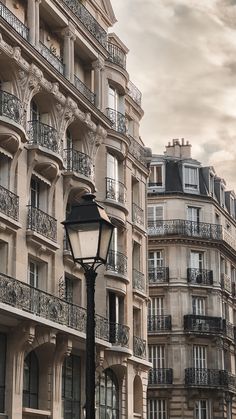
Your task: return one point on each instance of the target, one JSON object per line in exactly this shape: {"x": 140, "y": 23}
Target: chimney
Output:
{"x": 178, "y": 149}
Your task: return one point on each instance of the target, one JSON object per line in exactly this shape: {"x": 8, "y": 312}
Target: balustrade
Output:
{"x": 42, "y": 223}
{"x": 44, "y": 135}
{"x": 13, "y": 21}
{"x": 134, "y": 93}
{"x": 139, "y": 347}
{"x": 138, "y": 281}
{"x": 226, "y": 283}
{"x": 116, "y": 55}
{"x": 184, "y": 228}
{"x": 203, "y": 324}
{"x": 203, "y": 377}
{"x": 84, "y": 90}
{"x": 118, "y": 119}
{"x": 117, "y": 262}
{"x": 115, "y": 190}
{"x": 158, "y": 376}
{"x": 119, "y": 334}
{"x": 159, "y": 323}
{"x": 138, "y": 215}
{"x": 158, "y": 275}
{"x": 53, "y": 59}
{"x": 137, "y": 151}
{"x": 199, "y": 276}
{"x": 78, "y": 162}
{"x": 9, "y": 203}
{"x": 10, "y": 106}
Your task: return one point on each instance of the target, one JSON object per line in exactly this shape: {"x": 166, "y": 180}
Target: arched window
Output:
{"x": 30, "y": 381}
{"x": 71, "y": 387}
{"x": 107, "y": 397}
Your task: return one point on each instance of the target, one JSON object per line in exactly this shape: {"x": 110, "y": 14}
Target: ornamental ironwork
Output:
{"x": 78, "y": 162}
{"x": 9, "y": 203}
{"x": 137, "y": 151}
{"x": 82, "y": 88}
{"x": 137, "y": 215}
{"x": 115, "y": 190}
{"x": 202, "y": 377}
{"x": 159, "y": 323}
{"x": 40, "y": 303}
{"x": 158, "y": 376}
{"x": 117, "y": 262}
{"x": 10, "y": 106}
{"x": 228, "y": 380}
{"x": 119, "y": 334}
{"x": 116, "y": 55}
{"x": 139, "y": 347}
{"x": 199, "y": 276}
{"x": 134, "y": 93}
{"x": 228, "y": 330}
{"x": 138, "y": 281}
{"x": 185, "y": 228}
{"x": 13, "y": 21}
{"x": 203, "y": 324}
{"x": 88, "y": 21}
{"x": 42, "y": 223}
{"x": 53, "y": 59}
{"x": 118, "y": 119}
{"x": 158, "y": 275}
{"x": 44, "y": 135}
{"x": 226, "y": 283}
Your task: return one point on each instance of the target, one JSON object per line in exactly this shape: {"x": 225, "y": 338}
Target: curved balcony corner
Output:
{"x": 117, "y": 263}
{"x": 135, "y": 93}
{"x": 119, "y": 334}
{"x": 199, "y": 276}
{"x": 118, "y": 119}
{"x": 116, "y": 55}
{"x": 139, "y": 347}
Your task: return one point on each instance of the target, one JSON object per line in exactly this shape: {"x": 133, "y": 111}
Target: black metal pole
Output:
{"x": 90, "y": 276}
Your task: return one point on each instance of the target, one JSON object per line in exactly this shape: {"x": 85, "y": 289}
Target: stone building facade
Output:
{"x": 191, "y": 269}
{"x": 69, "y": 123}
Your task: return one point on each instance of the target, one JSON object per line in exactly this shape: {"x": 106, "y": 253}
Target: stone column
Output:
{"x": 68, "y": 52}
{"x": 31, "y": 20}
{"x": 98, "y": 67}
{"x": 37, "y": 22}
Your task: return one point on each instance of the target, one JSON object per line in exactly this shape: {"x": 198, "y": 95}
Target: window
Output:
{"x": 156, "y": 318}
{"x": 222, "y": 196}
{"x": 34, "y": 193}
{"x": 136, "y": 256}
{"x": 157, "y": 409}
{"x": 155, "y": 218}
{"x": 107, "y": 395}
{"x": 3, "y": 342}
{"x": 3, "y": 256}
{"x": 69, "y": 285}
{"x": 5, "y": 164}
{"x": 156, "y": 354}
{"x": 156, "y": 306}
{"x": 112, "y": 167}
{"x": 34, "y": 112}
{"x": 201, "y": 409}
{"x": 193, "y": 214}
{"x": 196, "y": 260}
{"x": 155, "y": 266}
{"x": 30, "y": 381}
{"x": 211, "y": 185}
{"x": 71, "y": 387}
{"x": 198, "y": 306}
{"x": 115, "y": 315}
{"x": 33, "y": 274}
{"x": 191, "y": 180}
{"x": 156, "y": 176}
{"x": 199, "y": 357}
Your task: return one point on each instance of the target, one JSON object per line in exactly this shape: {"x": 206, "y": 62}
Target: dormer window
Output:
{"x": 222, "y": 196}
{"x": 156, "y": 176}
{"x": 211, "y": 185}
{"x": 191, "y": 178}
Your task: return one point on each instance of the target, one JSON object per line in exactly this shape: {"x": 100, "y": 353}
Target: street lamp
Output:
{"x": 89, "y": 232}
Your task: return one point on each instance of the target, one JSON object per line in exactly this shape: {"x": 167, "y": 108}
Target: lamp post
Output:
{"x": 89, "y": 232}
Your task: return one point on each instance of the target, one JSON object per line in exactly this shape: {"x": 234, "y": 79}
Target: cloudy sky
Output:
{"x": 183, "y": 59}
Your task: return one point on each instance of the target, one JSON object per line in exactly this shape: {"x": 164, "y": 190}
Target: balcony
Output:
{"x": 51, "y": 58}
{"x": 116, "y": 55}
{"x": 44, "y": 135}
{"x": 229, "y": 330}
{"x": 159, "y": 323}
{"x": 139, "y": 347}
{"x": 115, "y": 190}
{"x": 47, "y": 306}
{"x": 199, "y": 324}
{"x": 138, "y": 281}
{"x": 228, "y": 380}
{"x": 185, "y": 228}
{"x": 78, "y": 162}
{"x": 13, "y": 21}
{"x": 119, "y": 334}
{"x": 117, "y": 262}
{"x": 118, "y": 120}
{"x": 87, "y": 20}
{"x": 134, "y": 93}
{"x": 10, "y": 106}
{"x": 226, "y": 283}
{"x": 42, "y": 223}
{"x": 137, "y": 151}
{"x": 203, "y": 377}
{"x": 137, "y": 215}
{"x": 157, "y": 376}
{"x": 158, "y": 275}
{"x": 82, "y": 88}
{"x": 9, "y": 203}
{"x": 199, "y": 276}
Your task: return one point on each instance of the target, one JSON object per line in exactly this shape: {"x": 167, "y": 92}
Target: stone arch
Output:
{"x": 138, "y": 395}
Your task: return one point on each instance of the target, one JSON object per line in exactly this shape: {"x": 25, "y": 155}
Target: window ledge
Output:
{"x": 36, "y": 412}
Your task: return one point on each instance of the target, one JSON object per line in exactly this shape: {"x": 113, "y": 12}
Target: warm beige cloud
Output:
{"x": 182, "y": 57}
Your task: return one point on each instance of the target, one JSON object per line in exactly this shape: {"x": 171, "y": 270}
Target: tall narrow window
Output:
{"x": 196, "y": 260}
{"x": 107, "y": 395}
{"x": 198, "y": 306}
{"x": 4, "y": 171}
{"x": 69, "y": 289}
{"x": 33, "y": 274}
{"x": 71, "y": 387}
{"x": 199, "y": 357}
{"x": 191, "y": 180}
{"x": 157, "y": 409}
{"x": 34, "y": 112}
{"x": 30, "y": 381}
{"x": 157, "y": 356}
{"x": 156, "y": 306}
{"x": 155, "y": 219}
{"x": 201, "y": 410}
{"x": 156, "y": 176}
{"x": 34, "y": 193}
{"x": 3, "y": 341}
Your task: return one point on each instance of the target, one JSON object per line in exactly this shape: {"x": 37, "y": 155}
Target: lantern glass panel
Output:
{"x": 84, "y": 239}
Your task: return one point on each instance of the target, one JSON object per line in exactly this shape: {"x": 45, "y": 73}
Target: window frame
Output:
{"x": 191, "y": 187}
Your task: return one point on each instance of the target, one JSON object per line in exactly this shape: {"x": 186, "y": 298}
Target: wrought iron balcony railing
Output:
{"x": 42, "y": 223}
{"x": 13, "y": 21}
{"x": 82, "y": 88}
{"x": 184, "y": 228}
{"x": 9, "y": 203}
{"x": 228, "y": 380}
{"x": 137, "y": 151}
{"x": 138, "y": 281}
{"x": 137, "y": 215}
{"x": 115, "y": 190}
{"x": 117, "y": 262}
{"x": 199, "y": 276}
{"x": 88, "y": 21}
{"x": 10, "y": 106}
{"x": 203, "y": 324}
{"x": 158, "y": 275}
{"x": 40, "y": 303}
{"x": 118, "y": 120}
{"x": 229, "y": 330}
{"x": 78, "y": 162}
{"x": 159, "y": 323}
{"x": 119, "y": 334}
{"x": 226, "y": 283}
{"x": 53, "y": 59}
{"x": 203, "y": 377}
{"x": 116, "y": 55}
{"x": 134, "y": 93}
{"x": 157, "y": 376}
{"x": 44, "y": 135}
{"x": 139, "y": 347}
